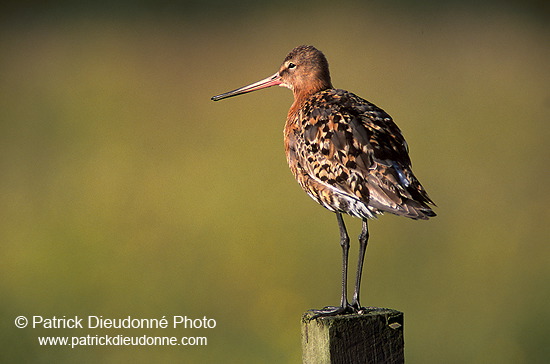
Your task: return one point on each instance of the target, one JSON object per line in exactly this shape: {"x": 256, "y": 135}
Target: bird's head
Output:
{"x": 304, "y": 71}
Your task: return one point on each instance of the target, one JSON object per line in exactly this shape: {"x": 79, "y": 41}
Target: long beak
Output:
{"x": 266, "y": 82}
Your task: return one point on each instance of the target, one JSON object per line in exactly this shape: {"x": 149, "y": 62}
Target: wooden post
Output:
{"x": 372, "y": 337}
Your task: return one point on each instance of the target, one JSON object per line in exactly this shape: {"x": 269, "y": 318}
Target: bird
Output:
{"x": 346, "y": 153}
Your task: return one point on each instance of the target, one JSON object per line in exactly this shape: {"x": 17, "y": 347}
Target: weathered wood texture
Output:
{"x": 373, "y": 337}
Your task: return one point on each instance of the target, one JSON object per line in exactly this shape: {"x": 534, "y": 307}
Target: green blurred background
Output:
{"x": 125, "y": 191}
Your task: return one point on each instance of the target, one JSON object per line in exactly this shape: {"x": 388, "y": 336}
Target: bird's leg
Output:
{"x": 344, "y": 304}
{"x": 363, "y": 240}
{"x": 344, "y": 242}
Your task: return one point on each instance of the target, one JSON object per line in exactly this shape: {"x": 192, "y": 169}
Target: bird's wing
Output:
{"x": 353, "y": 146}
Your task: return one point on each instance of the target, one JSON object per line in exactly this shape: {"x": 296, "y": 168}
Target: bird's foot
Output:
{"x": 353, "y": 308}
{"x": 333, "y": 311}
{"x": 356, "y": 306}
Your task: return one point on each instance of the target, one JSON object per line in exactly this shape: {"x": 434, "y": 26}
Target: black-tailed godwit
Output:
{"x": 346, "y": 153}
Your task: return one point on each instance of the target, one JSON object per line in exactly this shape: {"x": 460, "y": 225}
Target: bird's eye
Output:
{"x": 291, "y": 65}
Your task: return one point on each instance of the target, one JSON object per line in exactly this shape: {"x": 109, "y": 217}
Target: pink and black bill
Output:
{"x": 274, "y": 80}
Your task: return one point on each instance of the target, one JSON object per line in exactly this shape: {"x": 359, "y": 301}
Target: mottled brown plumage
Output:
{"x": 345, "y": 152}
{"x": 351, "y": 157}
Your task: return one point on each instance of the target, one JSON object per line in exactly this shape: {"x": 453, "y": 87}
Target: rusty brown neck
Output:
{"x": 302, "y": 94}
